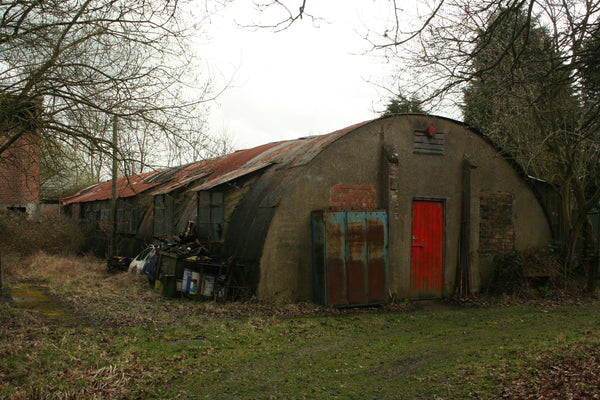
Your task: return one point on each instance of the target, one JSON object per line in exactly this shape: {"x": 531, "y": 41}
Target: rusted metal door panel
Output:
{"x": 377, "y": 250}
{"x": 356, "y": 264}
{"x": 426, "y": 249}
{"x": 335, "y": 259}
{"x": 350, "y": 257}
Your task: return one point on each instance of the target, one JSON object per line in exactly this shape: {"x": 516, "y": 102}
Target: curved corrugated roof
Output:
{"x": 126, "y": 187}
{"x": 206, "y": 174}
{"x": 213, "y": 172}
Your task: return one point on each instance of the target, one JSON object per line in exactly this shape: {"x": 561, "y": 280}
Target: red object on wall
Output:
{"x": 427, "y": 249}
{"x": 430, "y": 131}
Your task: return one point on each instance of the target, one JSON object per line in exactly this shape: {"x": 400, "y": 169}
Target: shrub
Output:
{"x": 535, "y": 272}
{"x": 507, "y": 274}
{"x": 52, "y": 234}
{"x": 544, "y": 269}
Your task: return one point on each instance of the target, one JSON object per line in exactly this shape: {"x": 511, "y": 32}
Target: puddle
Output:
{"x": 33, "y": 298}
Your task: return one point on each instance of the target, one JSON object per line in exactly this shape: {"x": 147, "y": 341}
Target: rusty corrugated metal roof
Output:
{"x": 231, "y": 176}
{"x": 154, "y": 182}
{"x": 187, "y": 175}
{"x": 126, "y": 187}
{"x": 213, "y": 172}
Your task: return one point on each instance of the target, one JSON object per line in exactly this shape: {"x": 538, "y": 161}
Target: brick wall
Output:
{"x": 353, "y": 197}
{"x": 20, "y": 172}
{"x": 496, "y": 231}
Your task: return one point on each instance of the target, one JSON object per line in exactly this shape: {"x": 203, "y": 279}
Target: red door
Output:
{"x": 426, "y": 249}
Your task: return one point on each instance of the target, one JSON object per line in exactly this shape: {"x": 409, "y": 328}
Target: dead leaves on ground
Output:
{"x": 572, "y": 374}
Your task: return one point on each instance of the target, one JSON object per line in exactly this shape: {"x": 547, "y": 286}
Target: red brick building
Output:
{"x": 20, "y": 174}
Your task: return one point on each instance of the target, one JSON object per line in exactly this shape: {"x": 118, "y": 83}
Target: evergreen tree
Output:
{"x": 401, "y": 104}
{"x": 517, "y": 94}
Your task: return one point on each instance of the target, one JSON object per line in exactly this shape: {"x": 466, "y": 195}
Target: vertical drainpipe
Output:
{"x": 383, "y": 196}
{"x": 463, "y": 280}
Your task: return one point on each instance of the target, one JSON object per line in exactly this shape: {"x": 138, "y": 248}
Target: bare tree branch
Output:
{"x": 87, "y": 61}
{"x": 290, "y": 15}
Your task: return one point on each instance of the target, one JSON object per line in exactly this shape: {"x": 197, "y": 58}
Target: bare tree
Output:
{"x": 552, "y": 121}
{"x": 89, "y": 60}
{"x": 63, "y": 170}
{"x": 282, "y": 14}
{"x": 439, "y": 46}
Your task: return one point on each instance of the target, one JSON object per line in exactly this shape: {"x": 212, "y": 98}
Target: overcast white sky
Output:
{"x": 299, "y": 82}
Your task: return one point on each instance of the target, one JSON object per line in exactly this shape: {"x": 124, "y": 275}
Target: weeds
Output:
{"x": 508, "y": 273}
{"x": 132, "y": 343}
{"x": 52, "y": 234}
{"x": 534, "y": 274}
{"x": 135, "y": 344}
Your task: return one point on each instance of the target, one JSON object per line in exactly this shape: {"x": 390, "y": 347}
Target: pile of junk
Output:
{"x": 187, "y": 269}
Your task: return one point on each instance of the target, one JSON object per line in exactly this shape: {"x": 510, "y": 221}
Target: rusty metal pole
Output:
{"x": 113, "y": 199}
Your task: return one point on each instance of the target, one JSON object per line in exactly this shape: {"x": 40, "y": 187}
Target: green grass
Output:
{"x": 180, "y": 349}
{"x": 420, "y": 354}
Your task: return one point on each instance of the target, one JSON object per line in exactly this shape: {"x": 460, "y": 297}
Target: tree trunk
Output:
{"x": 583, "y": 225}
{"x": 589, "y": 258}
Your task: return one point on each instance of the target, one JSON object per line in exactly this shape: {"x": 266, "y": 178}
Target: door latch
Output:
{"x": 422, "y": 245}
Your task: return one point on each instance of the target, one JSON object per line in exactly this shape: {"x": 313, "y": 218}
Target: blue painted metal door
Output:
{"x": 350, "y": 257}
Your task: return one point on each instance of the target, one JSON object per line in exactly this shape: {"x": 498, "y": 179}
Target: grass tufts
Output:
{"x": 51, "y": 234}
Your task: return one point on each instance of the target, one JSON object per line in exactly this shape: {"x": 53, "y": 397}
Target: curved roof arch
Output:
{"x": 210, "y": 173}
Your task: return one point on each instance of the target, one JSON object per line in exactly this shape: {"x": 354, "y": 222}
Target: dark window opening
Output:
{"x": 210, "y": 216}
{"x": 163, "y": 215}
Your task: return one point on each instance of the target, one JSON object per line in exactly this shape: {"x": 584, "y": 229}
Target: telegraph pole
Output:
{"x": 113, "y": 199}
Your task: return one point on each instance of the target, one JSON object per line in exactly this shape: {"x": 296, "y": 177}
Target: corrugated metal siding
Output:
{"x": 230, "y": 176}
{"x": 214, "y": 171}
{"x": 250, "y": 222}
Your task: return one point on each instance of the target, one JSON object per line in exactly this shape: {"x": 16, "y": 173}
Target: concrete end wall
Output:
{"x": 355, "y": 172}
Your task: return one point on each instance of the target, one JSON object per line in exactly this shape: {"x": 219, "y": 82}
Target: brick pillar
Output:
{"x": 496, "y": 230}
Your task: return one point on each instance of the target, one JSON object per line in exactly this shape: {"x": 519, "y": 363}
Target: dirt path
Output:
{"x": 35, "y": 299}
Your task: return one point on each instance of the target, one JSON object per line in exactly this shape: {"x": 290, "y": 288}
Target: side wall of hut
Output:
{"x": 95, "y": 217}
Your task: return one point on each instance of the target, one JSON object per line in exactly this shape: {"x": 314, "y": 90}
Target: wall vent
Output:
{"x": 424, "y": 144}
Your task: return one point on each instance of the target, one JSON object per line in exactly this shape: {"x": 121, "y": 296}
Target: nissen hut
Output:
{"x": 410, "y": 206}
